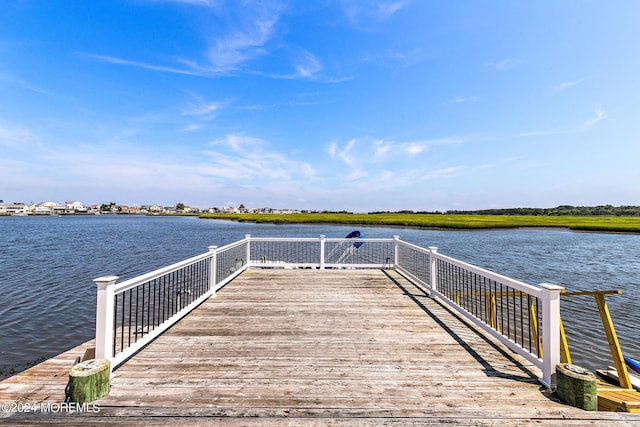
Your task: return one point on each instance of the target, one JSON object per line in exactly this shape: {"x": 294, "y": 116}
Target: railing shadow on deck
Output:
{"x": 489, "y": 370}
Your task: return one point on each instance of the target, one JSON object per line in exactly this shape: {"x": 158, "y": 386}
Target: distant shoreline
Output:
{"x": 430, "y": 221}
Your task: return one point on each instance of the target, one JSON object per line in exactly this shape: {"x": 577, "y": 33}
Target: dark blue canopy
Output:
{"x": 356, "y": 234}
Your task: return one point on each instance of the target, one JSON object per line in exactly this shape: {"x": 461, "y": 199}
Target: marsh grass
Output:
{"x": 445, "y": 221}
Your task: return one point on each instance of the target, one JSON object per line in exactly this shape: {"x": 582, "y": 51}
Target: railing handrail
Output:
{"x": 326, "y": 239}
{"x": 521, "y": 286}
{"x": 414, "y": 247}
{"x": 135, "y": 281}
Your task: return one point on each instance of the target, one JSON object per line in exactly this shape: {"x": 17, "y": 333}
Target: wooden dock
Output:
{"x": 300, "y": 347}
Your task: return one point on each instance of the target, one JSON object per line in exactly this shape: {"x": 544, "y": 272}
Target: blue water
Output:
{"x": 47, "y": 297}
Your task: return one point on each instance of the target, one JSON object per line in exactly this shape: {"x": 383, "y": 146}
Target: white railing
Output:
{"x": 523, "y": 317}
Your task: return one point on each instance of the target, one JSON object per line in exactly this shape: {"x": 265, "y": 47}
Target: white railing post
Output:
{"x": 322, "y": 238}
{"x": 396, "y": 251}
{"x": 104, "y": 316}
{"x": 212, "y": 269}
{"x": 433, "y": 277}
{"x": 248, "y": 237}
{"x": 550, "y": 332}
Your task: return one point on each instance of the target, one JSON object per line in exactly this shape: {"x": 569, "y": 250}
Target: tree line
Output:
{"x": 563, "y": 210}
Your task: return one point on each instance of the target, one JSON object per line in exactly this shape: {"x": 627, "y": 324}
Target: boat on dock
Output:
{"x": 632, "y": 364}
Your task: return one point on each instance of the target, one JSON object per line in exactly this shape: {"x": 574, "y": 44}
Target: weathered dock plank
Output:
{"x": 339, "y": 347}
{"x": 45, "y": 382}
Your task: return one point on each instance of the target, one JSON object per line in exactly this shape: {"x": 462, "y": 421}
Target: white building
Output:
{"x": 46, "y": 208}
{"x": 13, "y": 208}
{"x": 156, "y": 209}
{"x": 74, "y": 206}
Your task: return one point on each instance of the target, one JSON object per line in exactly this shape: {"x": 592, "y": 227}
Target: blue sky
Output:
{"x": 358, "y": 105}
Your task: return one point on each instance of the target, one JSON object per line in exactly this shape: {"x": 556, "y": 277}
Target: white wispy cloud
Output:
{"x": 190, "y": 128}
{"x": 366, "y": 15}
{"x": 443, "y": 172}
{"x": 504, "y": 64}
{"x": 357, "y": 174}
{"x": 414, "y": 148}
{"x": 241, "y": 36}
{"x": 353, "y": 160}
{"x": 382, "y": 148}
{"x": 405, "y": 58}
{"x": 599, "y": 115}
{"x": 542, "y": 133}
{"x": 462, "y": 99}
{"x": 363, "y": 151}
{"x": 566, "y": 85}
{"x": 191, "y": 71}
{"x": 24, "y": 84}
{"x": 244, "y": 34}
{"x": 15, "y": 135}
{"x": 344, "y": 154}
{"x": 201, "y": 108}
{"x": 299, "y": 64}
{"x": 246, "y": 158}
{"x": 239, "y": 142}
{"x": 384, "y": 164}
{"x": 307, "y": 65}
{"x": 332, "y": 149}
{"x": 253, "y": 28}
{"x": 235, "y": 160}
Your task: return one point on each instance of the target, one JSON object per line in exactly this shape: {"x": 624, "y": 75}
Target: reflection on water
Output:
{"x": 47, "y": 297}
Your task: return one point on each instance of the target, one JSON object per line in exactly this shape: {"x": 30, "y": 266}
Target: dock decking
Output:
{"x": 291, "y": 347}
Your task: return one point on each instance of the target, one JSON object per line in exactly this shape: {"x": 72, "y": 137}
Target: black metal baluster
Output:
{"x": 521, "y": 321}
{"x": 515, "y": 318}
{"x": 529, "y": 322}
{"x": 130, "y": 313}
{"x": 115, "y": 324}
{"x": 144, "y": 291}
{"x": 122, "y": 326}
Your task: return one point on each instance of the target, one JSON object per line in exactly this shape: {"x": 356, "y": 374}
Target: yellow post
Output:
{"x": 565, "y": 356}
{"x": 494, "y": 313}
{"x": 614, "y": 345}
{"x": 490, "y": 304}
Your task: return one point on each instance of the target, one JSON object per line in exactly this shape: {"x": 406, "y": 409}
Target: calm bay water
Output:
{"x": 47, "y": 297}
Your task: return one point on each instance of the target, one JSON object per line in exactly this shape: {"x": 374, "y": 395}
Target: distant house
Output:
{"x": 13, "y": 208}
{"x": 156, "y": 209}
{"x": 47, "y": 208}
{"x": 74, "y": 206}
